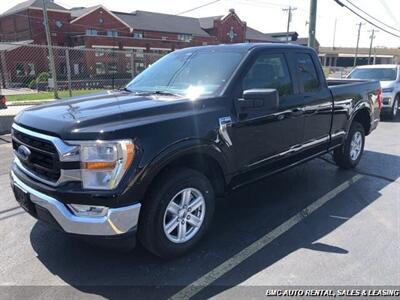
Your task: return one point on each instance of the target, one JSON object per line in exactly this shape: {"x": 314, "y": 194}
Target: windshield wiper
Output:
{"x": 167, "y": 93}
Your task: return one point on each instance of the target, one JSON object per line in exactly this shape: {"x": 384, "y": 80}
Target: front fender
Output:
{"x": 170, "y": 154}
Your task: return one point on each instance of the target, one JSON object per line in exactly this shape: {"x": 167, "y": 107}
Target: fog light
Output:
{"x": 81, "y": 210}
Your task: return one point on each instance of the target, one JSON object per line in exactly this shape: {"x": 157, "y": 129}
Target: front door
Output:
{"x": 260, "y": 136}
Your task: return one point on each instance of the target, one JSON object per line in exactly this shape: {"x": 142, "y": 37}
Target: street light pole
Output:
{"x": 312, "y": 25}
{"x": 289, "y": 10}
{"x": 50, "y": 49}
{"x": 372, "y": 36}
{"x": 358, "y": 40}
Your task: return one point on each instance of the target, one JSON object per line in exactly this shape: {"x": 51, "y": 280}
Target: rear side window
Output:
{"x": 307, "y": 73}
{"x": 269, "y": 71}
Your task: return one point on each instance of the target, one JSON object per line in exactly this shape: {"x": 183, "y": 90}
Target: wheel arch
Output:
{"x": 205, "y": 158}
{"x": 362, "y": 116}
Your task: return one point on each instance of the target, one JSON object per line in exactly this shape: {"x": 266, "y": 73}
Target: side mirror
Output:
{"x": 259, "y": 99}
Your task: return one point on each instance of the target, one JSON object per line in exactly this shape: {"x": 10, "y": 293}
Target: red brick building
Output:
{"x": 99, "y": 28}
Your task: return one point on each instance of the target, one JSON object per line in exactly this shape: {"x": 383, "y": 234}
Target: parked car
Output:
{"x": 3, "y": 102}
{"x": 151, "y": 160}
{"x": 389, "y": 76}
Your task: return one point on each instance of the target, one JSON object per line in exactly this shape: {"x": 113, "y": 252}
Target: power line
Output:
{"x": 365, "y": 19}
{"x": 372, "y": 17}
{"x": 195, "y": 8}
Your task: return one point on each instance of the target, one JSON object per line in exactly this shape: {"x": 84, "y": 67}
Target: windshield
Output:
{"x": 192, "y": 74}
{"x": 382, "y": 74}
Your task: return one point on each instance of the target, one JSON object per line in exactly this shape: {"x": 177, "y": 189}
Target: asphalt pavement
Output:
{"x": 314, "y": 225}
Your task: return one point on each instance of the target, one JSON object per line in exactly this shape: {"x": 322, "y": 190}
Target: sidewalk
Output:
{"x": 7, "y": 116}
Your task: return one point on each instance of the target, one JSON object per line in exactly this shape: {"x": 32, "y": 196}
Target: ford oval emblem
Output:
{"x": 23, "y": 152}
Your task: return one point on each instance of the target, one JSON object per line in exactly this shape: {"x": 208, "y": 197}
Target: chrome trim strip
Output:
{"x": 66, "y": 152}
{"x": 117, "y": 221}
{"x": 293, "y": 149}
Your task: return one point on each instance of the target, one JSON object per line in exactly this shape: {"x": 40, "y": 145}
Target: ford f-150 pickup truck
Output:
{"x": 150, "y": 160}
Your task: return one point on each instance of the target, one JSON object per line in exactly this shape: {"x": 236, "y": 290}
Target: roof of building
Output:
{"x": 76, "y": 12}
{"x": 33, "y": 4}
{"x": 255, "y": 35}
{"x": 208, "y": 22}
{"x": 275, "y": 34}
{"x": 145, "y": 20}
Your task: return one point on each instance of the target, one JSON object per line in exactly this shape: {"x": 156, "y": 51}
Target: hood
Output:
{"x": 387, "y": 84}
{"x": 99, "y": 113}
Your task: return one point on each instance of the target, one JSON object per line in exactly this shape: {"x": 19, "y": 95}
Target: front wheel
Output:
{"x": 177, "y": 212}
{"x": 349, "y": 154}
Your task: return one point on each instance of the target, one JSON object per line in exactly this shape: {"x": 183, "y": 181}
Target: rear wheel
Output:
{"x": 395, "y": 108}
{"x": 177, "y": 212}
{"x": 349, "y": 154}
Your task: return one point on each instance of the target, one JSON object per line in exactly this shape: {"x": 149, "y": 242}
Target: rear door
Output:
{"x": 316, "y": 101}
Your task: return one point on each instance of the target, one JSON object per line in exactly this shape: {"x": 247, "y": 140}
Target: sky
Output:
{"x": 268, "y": 16}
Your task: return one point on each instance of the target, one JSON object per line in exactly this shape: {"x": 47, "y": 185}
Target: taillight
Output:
{"x": 379, "y": 98}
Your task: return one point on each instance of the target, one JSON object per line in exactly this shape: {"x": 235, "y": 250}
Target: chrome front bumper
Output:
{"x": 117, "y": 220}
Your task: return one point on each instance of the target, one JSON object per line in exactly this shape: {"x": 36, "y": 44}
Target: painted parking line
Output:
{"x": 238, "y": 258}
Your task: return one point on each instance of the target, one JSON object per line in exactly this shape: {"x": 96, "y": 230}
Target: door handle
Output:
{"x": 297, "y": 111}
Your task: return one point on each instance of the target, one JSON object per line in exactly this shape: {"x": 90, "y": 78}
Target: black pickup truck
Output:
{"x": 150, "y": 160}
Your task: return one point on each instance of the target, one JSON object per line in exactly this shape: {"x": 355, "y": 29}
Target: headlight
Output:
{"x": 387, "y": 90}
{"x": 104, "y": 163}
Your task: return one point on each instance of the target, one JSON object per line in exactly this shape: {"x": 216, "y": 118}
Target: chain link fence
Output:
{"x": 25, "y": 69}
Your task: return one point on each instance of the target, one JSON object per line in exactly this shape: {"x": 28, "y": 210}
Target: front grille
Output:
{"x": 43, "y": 160}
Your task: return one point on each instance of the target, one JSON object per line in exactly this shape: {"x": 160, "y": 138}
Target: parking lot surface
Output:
{"x": 314, "y": 225}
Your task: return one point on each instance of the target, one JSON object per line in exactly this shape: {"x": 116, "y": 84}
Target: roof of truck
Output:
{"x": 247, "y": 46}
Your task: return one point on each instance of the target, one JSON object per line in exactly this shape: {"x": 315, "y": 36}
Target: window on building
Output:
{"x": 31, "y": 69}
{"x": 77, "y": 69}
{"x": 128, "y": 68}
{"x": 184, "y": 37}
{"x": 100, "y": 68}
{"x": 112, "y": 68}
{"x": 112, "y": 33}
{"x": 91, "y": 32}
{"x": 139, "y": 67}
{"x": 307, "y": 72}
{"x": 164, "y": 38}
{"x": 138, "y": 35}
{"x": 269, "y": 71}
{"x": 128, "y": 53}
{"x": 159, "y": 51}
{"x": 139, "y": 53}
{"x": 19, "y": 69}
{"x": 112, "y": 52}
{"x": 99, "y": 52}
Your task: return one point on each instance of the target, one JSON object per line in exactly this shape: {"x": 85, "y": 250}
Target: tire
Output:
{"x": 171, "y": 187}
{"x": 344, "y": 156}
{"x": 394, "y": 110}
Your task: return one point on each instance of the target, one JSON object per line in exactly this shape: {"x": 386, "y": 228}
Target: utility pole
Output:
{"x": 312, "y": 25}
{"x": 358, "y": 40}
{"x": 372, "y": 36}
{"x": 334, "y": 34}
{"x": 50, "y": 49}
{"x": 289, "y": 10}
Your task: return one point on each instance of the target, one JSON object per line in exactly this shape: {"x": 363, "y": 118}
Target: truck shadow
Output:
{"x": 244, "y": 217}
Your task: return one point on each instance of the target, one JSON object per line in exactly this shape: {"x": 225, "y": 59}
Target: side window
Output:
{"x": 269, "y": 71}
{"x": 307, "y": 73}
